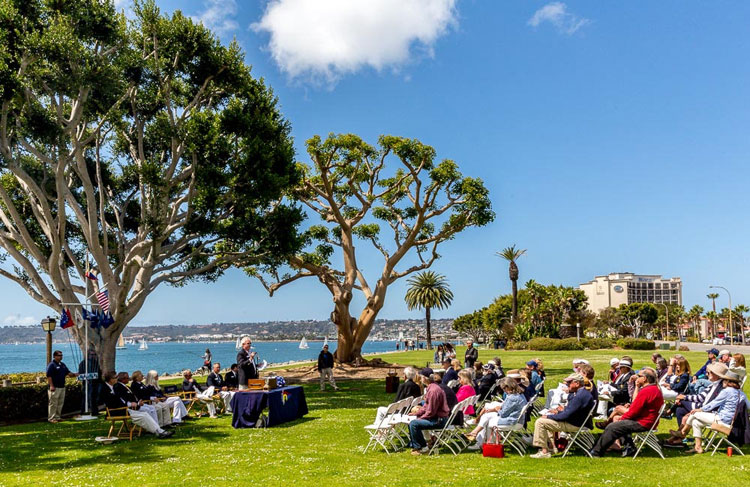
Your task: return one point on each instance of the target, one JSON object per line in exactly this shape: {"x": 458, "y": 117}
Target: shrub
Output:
{"x": 517, "y": 345}
{"x": 636, "y": 344}
{"x": 23, "y": 376}
{"x": 693, "y": 340}
{"x": 597, "y": 343}
{"x": 20, "y": 403}
{"x": 684, "y": 348}
{"x": 554, "y": 344}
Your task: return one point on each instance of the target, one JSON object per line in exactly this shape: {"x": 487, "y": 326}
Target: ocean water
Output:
{"x": 169, "y": 357}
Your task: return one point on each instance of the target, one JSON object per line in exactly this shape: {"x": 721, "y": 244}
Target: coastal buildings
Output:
{"x": 619, "y": 288}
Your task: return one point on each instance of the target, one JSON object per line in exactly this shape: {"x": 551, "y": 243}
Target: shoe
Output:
{"x": 593, "y": 454}
{"x": 166, "y": 434}
{"x": 601, "y": 424}
{"x": 628, "y": 451}
{"x": 470, "y": 438}
{"x": 474, "y": 447}
{"x": 416, "y": 453}
{"x": 541, "y": 454}
{"x": 693, "y": 450}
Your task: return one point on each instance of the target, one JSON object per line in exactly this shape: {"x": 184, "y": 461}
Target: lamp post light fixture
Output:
{"x": 48, "y": 325}
{"x": 731, "y": 328}
{"x": 666, "y": 312}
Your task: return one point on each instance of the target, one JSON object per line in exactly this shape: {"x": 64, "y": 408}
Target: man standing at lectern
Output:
{"x": 246, "y": 364}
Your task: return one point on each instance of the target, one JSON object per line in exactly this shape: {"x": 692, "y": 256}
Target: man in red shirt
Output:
{"x": 642, "y": 414}
{"x": 432, "y": 415}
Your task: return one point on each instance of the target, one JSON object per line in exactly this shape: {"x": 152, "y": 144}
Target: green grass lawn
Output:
{"x": 325, "y": 447}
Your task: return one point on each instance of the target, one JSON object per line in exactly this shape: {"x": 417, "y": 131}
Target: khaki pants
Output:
{"x": 702, "y": 420}
{"x": 56, "y": 400}
{"x": 544, "y": 429}
{"x": 327, "y": 373}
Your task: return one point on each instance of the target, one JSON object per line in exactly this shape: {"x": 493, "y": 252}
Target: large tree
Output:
{"x": 142, "y": 148}
{"x": 713, "y": 297}
{"x": 428, "y": 290}
{"x": 512, "y": 254}
{"x": 359, "y": 191}
{"x": 640, "y": 317}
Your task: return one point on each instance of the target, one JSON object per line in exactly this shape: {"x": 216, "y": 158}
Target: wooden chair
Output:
{"x": 193, "y": 404}
{"x": 127, "y": 428}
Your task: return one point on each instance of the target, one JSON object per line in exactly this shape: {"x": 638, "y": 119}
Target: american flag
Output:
{"x": 103, "y": 298}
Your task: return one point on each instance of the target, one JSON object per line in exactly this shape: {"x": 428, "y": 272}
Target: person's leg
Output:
{"x": 333, "y": 381}
{"x": 52, "y": 406}
{"x": 614, "y": 431}
{"x": 60, "y": 401}
{"x": 415, "y": 432}
{"x": 322, "y": 379}
{"x": 179, "y": 410}
{"x": 145, "y": 421}
{"x": 699, "y": 422}
{"x": 151, "y": 410}
{"x": 543, "y": 429}
{"x": 681, "y": 410}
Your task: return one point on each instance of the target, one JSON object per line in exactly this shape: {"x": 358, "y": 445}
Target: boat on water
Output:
{"x": 121, "y": 343}
{"x": 144, "y": 345}
{"x": 325, "y": 342}
{"x": 303, "y": 344}
{"x": 237, "y": 345}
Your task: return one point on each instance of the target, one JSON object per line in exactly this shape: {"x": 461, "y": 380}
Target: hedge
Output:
{"x": 597, "y": 343}
{"x": 636, "y": 344}
{"x": 21, "y": 403}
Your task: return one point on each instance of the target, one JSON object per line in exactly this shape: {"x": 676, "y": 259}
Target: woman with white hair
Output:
{"x": 179, "y": 410}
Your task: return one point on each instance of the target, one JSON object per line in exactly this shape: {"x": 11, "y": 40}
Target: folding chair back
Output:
{"x": 513, "y": 435}
{"x": 447, "y": 436}
{"x": 415, "y": 402}
{"x": 649, "y": 438}
{"x": 583, "y": 437}
{"x": 720, "y": 433}
{"x": 382, "y": 431}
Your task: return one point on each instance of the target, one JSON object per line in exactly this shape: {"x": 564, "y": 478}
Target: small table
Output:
{"x": 284, "y": 404}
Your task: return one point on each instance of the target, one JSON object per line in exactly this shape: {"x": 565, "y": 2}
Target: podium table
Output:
{"x": 284, "y": 404}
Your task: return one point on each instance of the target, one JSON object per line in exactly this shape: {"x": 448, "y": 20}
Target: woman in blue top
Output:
{"x": 721, "y": 410}
{"x": 678, "y": 382}
{"x": 503, "y": 415}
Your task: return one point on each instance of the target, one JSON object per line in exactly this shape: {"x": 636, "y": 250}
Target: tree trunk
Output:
{"x": 107, "y": 352}
{"x": 429, "y": 331}
{"x": 352, "y": 332}
{"x": 514, "y": 306}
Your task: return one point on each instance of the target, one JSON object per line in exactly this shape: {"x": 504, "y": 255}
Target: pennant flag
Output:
{"x": 79, "y": 318}
{"x": 103, "y": 298}
{"x": 66, "y": 320}
{"x": 85, "y": 314}
{"x": 93, "y": 275}
{"x": 106, "y": 320}
{"x": 94, "y": 319}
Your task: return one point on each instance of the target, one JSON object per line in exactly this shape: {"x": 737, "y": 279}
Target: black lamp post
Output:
{"x": 48, "y": 325}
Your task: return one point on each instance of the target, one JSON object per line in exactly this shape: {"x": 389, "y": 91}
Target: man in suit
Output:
{"x": 122, "y": 390}
{"x": 203, "y": 395}
{"x": 219, "y": 384}
{"x": 143, "y": 393}
{"x": 245, "y": 363}
{"x": 408, "y": 388}
{"x": 471, "y": 355}
{"x": 450, "y": 371}
{"x": 621, "y": 394}
{"x": 115, "y": 395}
{"x": 230, "y": 378}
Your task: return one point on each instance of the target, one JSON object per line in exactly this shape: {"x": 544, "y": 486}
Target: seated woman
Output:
{"x": 737, "y": 365}
{"x": 721, "y": 410}
{"x": 466, "y": 389}
{"x": 175, "y": 403}
{"x": 143, "y": 393}
{"x": 677, "y": 384}
{"x": 661, "y": 367}
{"x": 505, "y": 414}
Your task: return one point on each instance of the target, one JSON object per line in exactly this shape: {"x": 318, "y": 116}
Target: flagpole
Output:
{"x": 87, "y": 416}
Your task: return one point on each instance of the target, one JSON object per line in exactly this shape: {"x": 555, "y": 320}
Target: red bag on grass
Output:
{"x": 494, "y": 450}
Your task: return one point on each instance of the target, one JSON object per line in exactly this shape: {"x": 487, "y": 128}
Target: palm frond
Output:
{"x": 511, "y": 254}
{"x": 428, "y": 290}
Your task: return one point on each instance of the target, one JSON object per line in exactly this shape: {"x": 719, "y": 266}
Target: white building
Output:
{"x": 625, "y": 287}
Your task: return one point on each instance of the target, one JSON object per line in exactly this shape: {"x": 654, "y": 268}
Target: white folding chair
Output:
{"x": 400, "y": 420}
{"x": 649, "y": 438}
{"x": 513, "y": 435}
{"x": 720, "y": 434}
{"x": 381, "y": 432}
{"x": 450, "y": 435}
{"x": 583, "y": 438}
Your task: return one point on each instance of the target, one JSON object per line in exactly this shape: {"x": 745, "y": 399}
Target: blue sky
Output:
{"x": 612, "y": 136}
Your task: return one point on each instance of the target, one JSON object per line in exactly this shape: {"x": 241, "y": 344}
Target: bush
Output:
{"x": 23, "y": 376}
{"x": 20, "y": 403}
{"x": 597, "y": 343}
{"x": 517, "y": 346}
{"x": 684, "y": 348}
{"x": 554, "y": 344}
{"x": 693, "y": 340}
{"x": 636, "y": 344}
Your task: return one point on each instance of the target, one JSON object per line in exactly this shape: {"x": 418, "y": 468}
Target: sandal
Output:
{"x": 693, "y": 450}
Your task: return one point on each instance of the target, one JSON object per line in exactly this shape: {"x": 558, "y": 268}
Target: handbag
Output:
{"x": 494, "y": 450}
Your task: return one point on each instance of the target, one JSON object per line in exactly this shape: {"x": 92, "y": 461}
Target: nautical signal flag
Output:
{"x": 103, "y": 298}
{"x": 93, "y": 275}
{"x": 66, "y": 320}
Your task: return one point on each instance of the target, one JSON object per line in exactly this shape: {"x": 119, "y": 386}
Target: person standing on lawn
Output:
{"x": 471, "y": 355}
{"x": 325, "y": 368}
{"x": 57, "y": 371}
{"x": 91, "y": 384}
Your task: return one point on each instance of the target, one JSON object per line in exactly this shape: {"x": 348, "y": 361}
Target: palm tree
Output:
{"x": 713, "y": 297}
{"x": 511, "y": 254}
{"x": 428, "y": 290}
{"x": 694, "y": 315}
{"x": 740, "y": 311}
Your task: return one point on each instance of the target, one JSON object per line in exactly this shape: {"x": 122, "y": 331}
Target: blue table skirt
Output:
{"x": 284, "y": 404}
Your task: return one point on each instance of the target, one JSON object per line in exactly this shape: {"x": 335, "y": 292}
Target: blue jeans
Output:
{"x": 418, "y": 425}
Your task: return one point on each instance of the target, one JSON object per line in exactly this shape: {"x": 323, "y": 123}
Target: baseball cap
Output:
{"x": 614, "y": 360}
{"x": 574, "y": 377}
{"x": 426, "y": 372}
{"x": 531, "y": 363}
{"x": 488, "y": 366}
{"x": 714, "y": 351}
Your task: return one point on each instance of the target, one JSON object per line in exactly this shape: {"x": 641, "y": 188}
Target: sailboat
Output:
{"x": 144, "y": 345}
{"x": 121, "y": 343}
{"x": 325, "y": 343}
{"x": 237, "y": 345}
{"x": 303, "y": 344}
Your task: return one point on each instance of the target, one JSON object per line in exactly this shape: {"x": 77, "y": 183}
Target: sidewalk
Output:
{"x": 702, "y": 347}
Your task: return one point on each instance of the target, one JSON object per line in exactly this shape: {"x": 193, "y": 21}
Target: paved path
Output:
{"x": 744, "y": 349}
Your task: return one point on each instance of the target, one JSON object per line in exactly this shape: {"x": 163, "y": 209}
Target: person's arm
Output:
{"x": 573, "y": 406}
{"x": 636, "y": 406}
{"x": 717, "y": 402}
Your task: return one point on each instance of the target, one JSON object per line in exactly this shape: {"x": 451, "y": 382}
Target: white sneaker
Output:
{"x": 540, "y": 454}
{"x": 474, "y": 447}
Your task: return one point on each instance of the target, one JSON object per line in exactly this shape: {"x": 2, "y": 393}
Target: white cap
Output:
{"x": 580, "y": 361}
{"x": 614, "y": 360}
{"x": 724, "y": 352}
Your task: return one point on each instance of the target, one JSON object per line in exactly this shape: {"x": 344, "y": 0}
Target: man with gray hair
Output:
{"x": 409, "y": 388}
{"x": 246, "y": 363}
{"x": 642, "y": 414}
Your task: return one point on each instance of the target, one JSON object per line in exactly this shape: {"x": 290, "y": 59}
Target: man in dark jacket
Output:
{"x": 408, "y": 388}
{"x": 451, "y": 399}
{"x": 325, "y": 368}
{"x": 90, "y": 365}
{"x": 570, "y": 419}
{"x": 230, "y": 378}
{"x": 450, "y": 371}
{"x": 621, "y": 394}
{"x": 246, "y": 363}
{"x": 487, "y": 380}
{"x": 471, "y": 355}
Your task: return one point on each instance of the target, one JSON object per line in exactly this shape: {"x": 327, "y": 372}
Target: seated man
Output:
{"x": 570, "y": 419}
{"x": 642, "y": 414}
{"x": 408, "y": 388}
{"x": 621, "y": 394}
{"x": 450, "y": 371}
{"x": 450, "y": 398}
{"x": 113, "y": 400}
{"x": 703, "y": 371}
{"x": 216, "y": 381}
{"x": 143, "y": 393}
{"x": 487, "y": 380}
{"x": 122, "y": 389}
{"x": 432, "y": 415}
{"x": 205, "y": 396}
{"x": 173, "y": 402}
{"x": 230, "y": 378}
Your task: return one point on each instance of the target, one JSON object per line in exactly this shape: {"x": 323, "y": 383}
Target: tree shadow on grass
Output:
{"x": 72, "y": 445}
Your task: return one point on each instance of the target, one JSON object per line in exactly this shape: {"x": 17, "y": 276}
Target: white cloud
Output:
{"x": 219, "y": 16}
{"x": 326, "y": 39}
{"x": 18, "y": 320}
{"x": 557, "y": 14}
